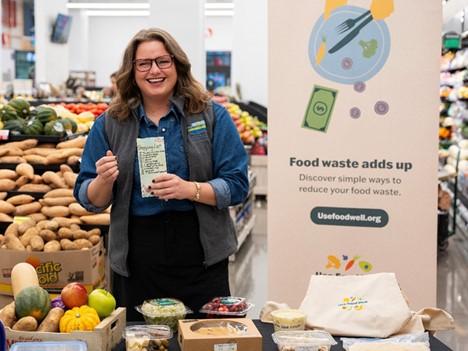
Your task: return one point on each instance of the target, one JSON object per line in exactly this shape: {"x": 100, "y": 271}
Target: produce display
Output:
{"x": 165, "y": 311}
{"x": 147, "y": 337}
{"x": 228, "y": 306}
{"x": 32, "y": 309}
{"x": 250, "y": 128}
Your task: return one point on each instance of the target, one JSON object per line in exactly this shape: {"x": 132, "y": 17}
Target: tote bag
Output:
{"x": 356, "y": 305}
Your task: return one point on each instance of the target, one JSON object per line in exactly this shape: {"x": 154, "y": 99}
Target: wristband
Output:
{"x": 196, "y": 197}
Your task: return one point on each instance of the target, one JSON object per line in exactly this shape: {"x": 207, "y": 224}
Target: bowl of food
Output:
{"x": 288, "y": 319}
{"x": 147, "y": 337}
{"x": 226, "y": 307}
{"x": 164, "y": 311}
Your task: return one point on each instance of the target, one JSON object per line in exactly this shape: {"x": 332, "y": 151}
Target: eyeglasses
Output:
{"x": 163, "y": 62}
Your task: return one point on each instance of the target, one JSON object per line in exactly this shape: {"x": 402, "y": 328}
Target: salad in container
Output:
{"x": 303, "y": 340}
{"x": 164, "y": 311}
{"x": 147, "y": 337}
{"x": 226, "y": 307}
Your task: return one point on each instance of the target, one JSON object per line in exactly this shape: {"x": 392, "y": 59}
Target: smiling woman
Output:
{"x": 170, "y": 162}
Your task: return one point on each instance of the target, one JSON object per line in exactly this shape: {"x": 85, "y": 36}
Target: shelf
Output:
{"x": 243, "y": 234}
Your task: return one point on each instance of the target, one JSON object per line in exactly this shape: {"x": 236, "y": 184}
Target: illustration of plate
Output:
{"x": 359, "y": 60}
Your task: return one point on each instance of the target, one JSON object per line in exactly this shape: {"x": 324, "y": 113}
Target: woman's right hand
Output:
{"x": 107, "y": 168}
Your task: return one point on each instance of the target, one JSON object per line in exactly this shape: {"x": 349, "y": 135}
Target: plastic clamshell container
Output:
{"x": 164, "y": 311}
{"x": 74, "y": 345}
{"x": 288, "y": 319}
{"x": 303, "y": 340}
{"x": 226, "y": 307}
{"x": 147, "y": 337}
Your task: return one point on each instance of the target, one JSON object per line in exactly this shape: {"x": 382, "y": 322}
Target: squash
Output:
{"x": 32, "y": 301}
{"x": 69, "y": 124}
{"x": 45, "y": 114}
{"x": 79, "y": 318}
{"x": 21, "y": 106}
{"x": 33, "y": 127}
{"x": 54, "y": 128}
{"x": 23, "y": 275}
{"x": 15, "y": 126}
{"x": 7, "y": 113}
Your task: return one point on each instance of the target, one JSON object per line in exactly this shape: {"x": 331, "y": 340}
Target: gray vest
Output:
{"x": 217, "y": 233}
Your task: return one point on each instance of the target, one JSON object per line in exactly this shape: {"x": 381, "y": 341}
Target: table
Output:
{"x": 268, "y": 345}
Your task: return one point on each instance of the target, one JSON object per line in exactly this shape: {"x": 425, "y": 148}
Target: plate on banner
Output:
{"x": 359, "y": 60}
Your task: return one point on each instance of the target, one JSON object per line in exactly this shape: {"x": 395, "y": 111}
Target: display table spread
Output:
{"x": 268, "y": 345}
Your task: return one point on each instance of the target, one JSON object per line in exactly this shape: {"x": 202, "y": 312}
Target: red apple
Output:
{"x": 74, "y": 295}
{"x": 102, "y": 301}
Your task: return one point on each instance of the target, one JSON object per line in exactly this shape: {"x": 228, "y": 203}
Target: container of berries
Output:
{"x": 226, "y": 307}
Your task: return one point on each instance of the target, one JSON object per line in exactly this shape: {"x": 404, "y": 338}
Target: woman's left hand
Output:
{"x": 170, "y": 186}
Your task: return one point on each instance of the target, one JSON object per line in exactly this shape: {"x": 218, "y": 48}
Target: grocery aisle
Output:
{"x": 249, "y": 279}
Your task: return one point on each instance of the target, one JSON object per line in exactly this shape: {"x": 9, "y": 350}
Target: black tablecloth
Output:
{"x": 268, "y": 345}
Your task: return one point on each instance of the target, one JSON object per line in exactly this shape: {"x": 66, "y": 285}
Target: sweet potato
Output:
{"x": 70, "y": 178}
{"x": 14, "y": 151}
{"x": 27, "y": 323}
{"x": 7, "y": 315}
{"x": 25, "y": 144}
{"x": 35, "y": 159}
{"x": 21, "y": 181}
{"x": 55, "y": 157}
{"x": 65, "y": 168}
{"x": 95, "y": 231}
{"x": 6, "y": 207}
{"x": 25, "y": 169}
{"x": 26, "y": 237}
{"x": 7, "y": 184}
{"x": 51, "y": 321}
{"x": 37, "y": 243}
{"x": 59, "y": 193}
{"x": 73, "y": 160}
{"x": 8, "y": 174}
{"x": 5, "y": 218}
{"x": 24, "y": 226}
{"x": 53, "y": 180}
{"x": 55, "y": 211}
{"x": 13, "y": 243}
{"x": 46, "y": 224}
{"x": 67, "y": 244}
{"x": 20, "y": 200}
{"x": 40, "y": 151}
{"x": 97, "y": 219}
{"x": 35, "y": 188}
{"x": 37, "y": 179}
{"x": 37, "y": 217}
{"x": 57, "y": 201}
{"x": 52, "y": 246}
{"x": 2, "y": 239}
{"x": 3, "y": 195}
{"x": 12, "y": 229}
{"x": 24, "y": 210}
{"x": 12, "y": 159}
{"x": 78, "y": 142}
{"x": 78, "y": 210}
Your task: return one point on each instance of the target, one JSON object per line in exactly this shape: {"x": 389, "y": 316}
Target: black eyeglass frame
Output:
{"x": 155, "y": 60}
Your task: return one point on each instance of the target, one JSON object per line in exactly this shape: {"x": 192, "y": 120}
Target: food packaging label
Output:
{"x": 225, "y": 347}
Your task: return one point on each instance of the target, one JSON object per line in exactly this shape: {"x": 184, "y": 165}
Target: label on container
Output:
{"x": 225, "y": 347}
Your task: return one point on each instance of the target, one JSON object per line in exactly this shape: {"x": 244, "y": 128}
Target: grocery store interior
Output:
{"x": 62, "y": 53}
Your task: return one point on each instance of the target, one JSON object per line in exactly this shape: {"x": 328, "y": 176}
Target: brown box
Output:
{"x": 104, "y": 337}
{"x": 56, "y": 269}
{"x": 189, "y": 340}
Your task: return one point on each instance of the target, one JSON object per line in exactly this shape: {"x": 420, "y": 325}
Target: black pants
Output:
{"x": 165, "y": 259}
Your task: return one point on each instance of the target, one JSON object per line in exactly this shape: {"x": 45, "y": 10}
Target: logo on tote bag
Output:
{"x": 353, "y": 303}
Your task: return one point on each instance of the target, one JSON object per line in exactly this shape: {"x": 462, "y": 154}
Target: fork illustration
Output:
{"x": 350, "y": 22}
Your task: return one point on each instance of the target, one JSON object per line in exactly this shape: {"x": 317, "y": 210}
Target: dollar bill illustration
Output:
{"x": 320, "y": 108}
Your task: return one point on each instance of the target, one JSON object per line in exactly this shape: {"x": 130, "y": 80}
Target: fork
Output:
{"x": 350, "y": 22}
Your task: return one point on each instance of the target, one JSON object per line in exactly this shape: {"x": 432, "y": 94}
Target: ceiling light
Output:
{"x": 118, "y": 13}
{"x": 114, "y": 6}
{"x": 219, "y": 6}
{"x": 219, "y": 13}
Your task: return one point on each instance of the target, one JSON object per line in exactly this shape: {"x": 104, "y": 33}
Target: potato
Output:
{"x": 12, "y": 229}
{"x": 67, "y": 244}
{"x": 37, "y": 243}
{"x": 51, "y": 321}
{"x": 24, "y": 210}
{"x": 53, "y": 180}
{"x": 65, "y": 233}
{"x": 47, "y": 235}
{"x": 35, "y": 159}
{"x": 7, "y": 184}
{"x": 55, "y": 211}
{"x": 63, "y": 221}
{"x": 78, "y": 142}
{"x": 97, "y": 219}
{"x": 26, "y": 237}
{"x": 58, "y": 201}
{"x": 70, "y": 178}
{"x": 37, "y": 217}
{"x": 52, "y": 225}
{"x": 59, "y": 193}
{"x": 13, "y": 243}
{"x": 94, "y": 239}
{"x": 7, "y": 315}
{"x": 24, "y": 226}
{"x": 27, "y": 323}
{"x": 20, "y": 200}
{"x": 25, "y": 169}
{"x": 6, "y": 207}
{"x": 80, "y": 234}
{"x": 35, "y": 188}
{"x": 83, "y": 244}
{"x": 12, "y": 159}
{"x": 3, "y": 195}
{"x": 78, "y": 210}
{"x": 5, "y": 218}
{"x": 52, "y": 246}
{"x": 8, "y": 174}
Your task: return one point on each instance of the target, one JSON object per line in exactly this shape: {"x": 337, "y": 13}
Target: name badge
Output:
{"x": 151, "y": 161}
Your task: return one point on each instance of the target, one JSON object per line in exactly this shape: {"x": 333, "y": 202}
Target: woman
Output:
{"x": 171, "y": 236}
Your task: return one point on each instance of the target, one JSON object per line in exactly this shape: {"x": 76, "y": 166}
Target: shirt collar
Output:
{"x": 141, "y": 114}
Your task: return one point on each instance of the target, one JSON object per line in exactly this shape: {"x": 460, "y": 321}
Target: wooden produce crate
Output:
{"x": 104, "y": 337}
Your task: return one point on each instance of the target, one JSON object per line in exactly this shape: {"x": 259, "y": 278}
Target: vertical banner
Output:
{"x": 353, "y": 119}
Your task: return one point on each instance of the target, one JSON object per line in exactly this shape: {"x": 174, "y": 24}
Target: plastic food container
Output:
{"x": 165, "y": 311}
{"x": 50, "y": 346}
{"x": 288, "y": 319}
{"x": 226, "y": 307}
{"x": 147, "y": 337}
{"x": 303, "y": 340}
{"x": 219, "y": 328}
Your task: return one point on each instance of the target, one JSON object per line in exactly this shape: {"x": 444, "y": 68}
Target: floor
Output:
{"x": 248, "y": 276}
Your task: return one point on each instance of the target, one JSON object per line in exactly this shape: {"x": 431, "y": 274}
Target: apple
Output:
{"x": 74, "y": 295}
{"x": 102, "y": 301}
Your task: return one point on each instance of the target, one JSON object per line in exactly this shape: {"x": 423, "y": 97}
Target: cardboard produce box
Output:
{"x": 104, "y": 337}
{"x": 238, "y": 334}
{"x": 56, "y": 269}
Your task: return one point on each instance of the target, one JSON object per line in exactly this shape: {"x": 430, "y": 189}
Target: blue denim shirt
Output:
{"x": 229, "y": 161}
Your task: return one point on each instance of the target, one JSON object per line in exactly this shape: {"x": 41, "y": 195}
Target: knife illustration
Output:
{"x": 350, "y": 36}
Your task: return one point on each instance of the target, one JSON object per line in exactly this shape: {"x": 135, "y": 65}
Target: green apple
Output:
{"x": 102, "y": 301}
